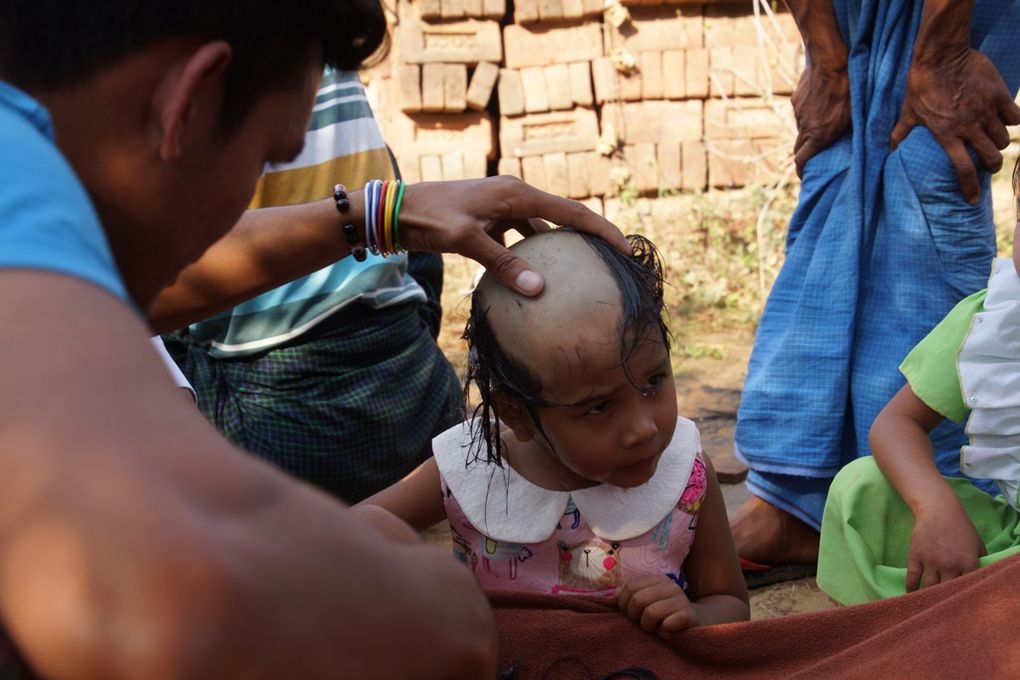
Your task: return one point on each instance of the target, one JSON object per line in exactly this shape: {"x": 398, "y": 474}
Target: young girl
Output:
{"x": 893, "y": 524}
{"x": 576, "y": 476}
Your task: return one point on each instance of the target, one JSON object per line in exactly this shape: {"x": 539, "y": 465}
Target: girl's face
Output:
{"x": 618, "y": 419}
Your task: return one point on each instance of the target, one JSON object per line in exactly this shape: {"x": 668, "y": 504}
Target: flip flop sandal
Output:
{"x": 760, "y": 575}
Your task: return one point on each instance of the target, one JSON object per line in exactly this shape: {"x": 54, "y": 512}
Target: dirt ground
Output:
{"x": 708, "y": 391}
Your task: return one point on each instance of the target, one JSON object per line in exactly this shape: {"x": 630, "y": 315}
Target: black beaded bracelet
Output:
{"x": 343, "y": 205}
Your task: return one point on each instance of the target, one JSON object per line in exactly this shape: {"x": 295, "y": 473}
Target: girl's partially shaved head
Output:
{"x": 593, "y": 295}
{"x": 581, "y": 298}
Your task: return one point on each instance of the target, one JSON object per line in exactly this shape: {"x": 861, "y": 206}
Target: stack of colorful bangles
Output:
{"x": 382, "y": 210}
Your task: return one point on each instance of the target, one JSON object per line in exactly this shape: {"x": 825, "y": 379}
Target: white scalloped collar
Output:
{"x": 507, "y": 507}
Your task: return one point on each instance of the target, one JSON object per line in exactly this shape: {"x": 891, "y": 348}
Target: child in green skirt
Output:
{"x": 893, "y": 523}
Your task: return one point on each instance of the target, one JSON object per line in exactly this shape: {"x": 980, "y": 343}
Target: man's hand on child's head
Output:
{"x": 657, "y": 604}
{"x": 469, "y": 217}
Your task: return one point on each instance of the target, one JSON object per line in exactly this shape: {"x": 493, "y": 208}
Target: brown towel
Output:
{"x": 961, "y": 629}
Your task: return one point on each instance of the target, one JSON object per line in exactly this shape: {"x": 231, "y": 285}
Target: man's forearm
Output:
{"x": 819, "y": 30}
{"x": 944, "y": 33}
{"x": 266, "y": 248}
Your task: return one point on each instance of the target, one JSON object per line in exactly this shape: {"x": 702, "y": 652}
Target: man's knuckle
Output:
{"x": 503, "y": 263}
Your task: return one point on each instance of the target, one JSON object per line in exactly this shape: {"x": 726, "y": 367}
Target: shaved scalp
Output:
{"x": 581, "y": 301}
{"x": 593, "y": 295}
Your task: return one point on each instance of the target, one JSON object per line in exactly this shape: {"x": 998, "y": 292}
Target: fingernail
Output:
{"x": 528, "y": 282}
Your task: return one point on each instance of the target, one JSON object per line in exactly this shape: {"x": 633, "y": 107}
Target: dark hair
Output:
{"x": 494, "y": 373}
{"x": 52, "y": 44}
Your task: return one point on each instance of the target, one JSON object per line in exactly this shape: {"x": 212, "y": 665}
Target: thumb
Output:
{"x": 809, "y": 148}
{"x": 902, "y": 128}
{"x": 1009, "y": 111}
{"x": 508, "y": 268}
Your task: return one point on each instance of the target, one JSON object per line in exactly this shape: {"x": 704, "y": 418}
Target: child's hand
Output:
{"x": 943, "y": 545}
{"x": 658, "y": 604}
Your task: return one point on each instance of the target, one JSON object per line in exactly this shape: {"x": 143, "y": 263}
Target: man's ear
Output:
{"x": 514, "y": 416}
{"x": 177, "y": 96}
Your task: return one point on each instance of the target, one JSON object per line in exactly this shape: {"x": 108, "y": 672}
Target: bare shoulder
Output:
{"x": 79, "y": 371}
{"x": 150, "y": 521}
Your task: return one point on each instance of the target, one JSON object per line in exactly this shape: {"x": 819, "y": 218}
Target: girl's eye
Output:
{"x": 654, "y": 383}
{"x": 599, "y": 408}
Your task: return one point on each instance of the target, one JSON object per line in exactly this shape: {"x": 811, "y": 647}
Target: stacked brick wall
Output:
{"x": 588, "y": 98}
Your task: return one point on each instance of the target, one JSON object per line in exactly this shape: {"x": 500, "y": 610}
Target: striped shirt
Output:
{"x": 343, "y": 144}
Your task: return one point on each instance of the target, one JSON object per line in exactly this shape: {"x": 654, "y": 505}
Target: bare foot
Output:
{"x": 766, "y": 534}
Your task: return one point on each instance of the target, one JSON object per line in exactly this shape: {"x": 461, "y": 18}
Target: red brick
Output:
{"x": 525, "y": 11}
{"x": 788, "y": 27}
{"x": 541, "y": 133}
{"x": 644, "y": 170}
{"x": 747, "y": 118}
{"x": 694, "y": 165}
{"x": 598, "y": 173}
{"x": 749, "y": 71}
{"x": 431, "y": 169}
{"x": 435, "y": 134}
{"x": 611, "y": 208}
{"x": 536, "y": 98}
{"x": 458, "y": 42}
{"x": 668, "y": 157}
{"x": 550, "y": 10}
{"x": 453, "y": 165}
{"x": 452, "y": 9}
{"x": 475, "y": 164}
{"x": 454, "y": 88}
{"x": 786, "y": 68}
{"x": 651, "y": 75}
{"x": 533, "y": 171}
{"x": 556, "y": 177}
{"x": 655, "y": 29}
{"x": 483, "y": 81}
{"x": 573, "y": 9}
{"x": 410, "y": 168}
{"x": 729, "y": 25}
{"x": 509, "y": 166}
{"x": 580, "y": 83}
{"x": 433, "y": 92}
{"x": 557, "y": 87}
{"x": 771, "y": 157}
{"x": 673, "y": 74}
{"x": 430, "y": 9}
{"x": 720, "y": 60}
{"x": 541, "y": 46}
{"x": 577, "y": 175}
{"x": 630, "y": 85}
{"x": 493, "y": 9}
{"x": 729, "y": 163}
{"x": 605, "y": 79}
{"x": 696, "y": 73}
{"x": 511, "y": 92}
{"x": 409, "y": 85}
{"x": 656, "y": 122}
